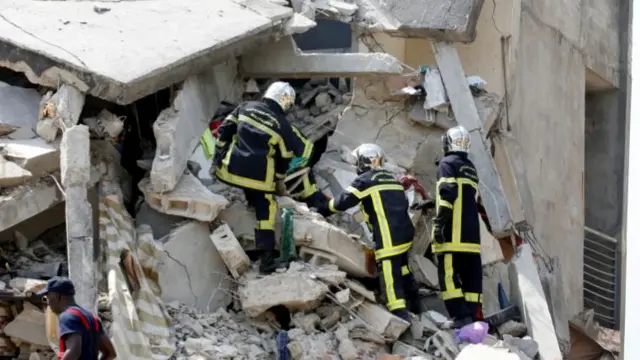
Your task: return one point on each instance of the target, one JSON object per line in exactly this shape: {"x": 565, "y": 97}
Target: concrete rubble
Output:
{"x": 166, "y": 253}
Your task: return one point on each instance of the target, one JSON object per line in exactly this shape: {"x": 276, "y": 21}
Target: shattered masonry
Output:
{"x": 164, "y": 252}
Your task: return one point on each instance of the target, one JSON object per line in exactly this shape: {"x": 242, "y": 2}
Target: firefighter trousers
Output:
{"x": 398, "y": 286}
{"x": 266, "y": 209}
{"x": 460, "y": 277}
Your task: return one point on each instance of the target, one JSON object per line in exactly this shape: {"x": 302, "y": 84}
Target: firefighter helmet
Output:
{"x": 456, "y": 139}
{"x": 368, "y": 156}
{"x": 282, "y": 93}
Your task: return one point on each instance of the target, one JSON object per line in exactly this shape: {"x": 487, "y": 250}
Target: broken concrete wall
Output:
{"x": 182, "y": 274}
{"x": 178, "y": 128}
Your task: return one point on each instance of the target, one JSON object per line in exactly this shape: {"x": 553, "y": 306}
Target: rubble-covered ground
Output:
{"x": 325, "y": 306}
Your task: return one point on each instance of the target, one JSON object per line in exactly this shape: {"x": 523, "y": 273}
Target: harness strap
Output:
{"x": 86, "y": 324}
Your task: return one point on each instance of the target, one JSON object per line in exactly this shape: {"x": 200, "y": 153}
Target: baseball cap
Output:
{"x": 60, "y": 285}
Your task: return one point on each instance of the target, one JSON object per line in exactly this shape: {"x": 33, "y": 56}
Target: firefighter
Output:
{"x": 383, "y": 202}
{"x": 456, "y": 230}
{"x": 255, "y": 146}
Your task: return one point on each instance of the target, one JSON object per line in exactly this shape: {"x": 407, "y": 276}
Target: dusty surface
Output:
{"x": 117, "y": 59}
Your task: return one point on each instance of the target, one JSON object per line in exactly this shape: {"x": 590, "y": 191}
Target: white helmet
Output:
{"x": 368, "y": 156}
{"x": 456, "y": 139}
{"x": 282, "y": 93}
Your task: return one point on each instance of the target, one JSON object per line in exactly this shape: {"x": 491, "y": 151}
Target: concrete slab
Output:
{"x": 120, "y": 57}
{"x": 382, "y": 321}
{"x": 34, "y": 155}
{"x": 19, "y": 106}
{"x": 284, "y": 60}
{"x": 28, "y": 326}
{"x": 193, "y": 271}
{"x": 11, "y": 174}
{"x": 527, "y": 292}
{"x": 178, "y": 128}
{"x": 230, "y": 250}
{"x": 296, "y": 290}
{"x": 190, "y": 199}
{"x": 451, "y": 20}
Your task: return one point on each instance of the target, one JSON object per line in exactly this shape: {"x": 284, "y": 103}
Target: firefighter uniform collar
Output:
{"x": 273, "y": 106}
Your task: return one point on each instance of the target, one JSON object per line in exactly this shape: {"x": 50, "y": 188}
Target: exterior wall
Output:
{"x": 555, "y": 49}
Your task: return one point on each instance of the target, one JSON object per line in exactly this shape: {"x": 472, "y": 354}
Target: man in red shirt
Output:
{"x": 82, "y": 336}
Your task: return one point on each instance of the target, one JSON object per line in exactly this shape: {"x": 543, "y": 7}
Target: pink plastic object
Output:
{"x": 473, "y": 333}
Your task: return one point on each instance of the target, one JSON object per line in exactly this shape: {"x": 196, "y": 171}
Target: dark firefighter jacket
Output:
{"x": 457, "y": 205}
{"x": 385, "y": 206}
{"x": 255, "y": 145}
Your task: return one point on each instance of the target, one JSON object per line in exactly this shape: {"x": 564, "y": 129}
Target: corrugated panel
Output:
{"x": 601, "y": 264}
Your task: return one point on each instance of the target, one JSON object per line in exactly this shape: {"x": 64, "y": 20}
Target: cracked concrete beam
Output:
{"x": 75, "y": 175}
{"x": 284, "y": 60}
{"x": 466, "y": 113}
{"x": 193, "y": 271}
{"x": 510, "y": 165}
{"x": 442, "y": 20}
{"x": 31, "y": 199}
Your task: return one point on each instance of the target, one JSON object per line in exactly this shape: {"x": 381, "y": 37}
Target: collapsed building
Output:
{"x": 104, "y": 177}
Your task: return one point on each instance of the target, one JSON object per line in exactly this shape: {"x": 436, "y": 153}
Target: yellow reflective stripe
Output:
{"x": 280, "y": 176}
{"x": 454, "y": 294}
{"x": 393, "y": 303}
{"x": 374, "y": 189}
{"x": 332, "y": 206}
{"x": 446, "y": 204}
{"x": 258, "y": 125}
{"x": 308, "y": 146}
{"x": 231, "y": 118}
{"x": 383, "y": 223}
{"x": 392, "y": 251}
{"x": 473, "y": 297}
{"x": 450, "y": 290}
{"x": 309, "y": 188}
{"x": 223, "y": 173}
{"x": 208, "y": 143}
{"x": 270, "y": 223}
{"x": 459, "y": 247}
{"x": 456, "y": 228}
{"x": 405, "y": 270}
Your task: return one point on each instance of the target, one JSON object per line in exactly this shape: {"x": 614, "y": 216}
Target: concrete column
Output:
{"x": 75, "y": 165}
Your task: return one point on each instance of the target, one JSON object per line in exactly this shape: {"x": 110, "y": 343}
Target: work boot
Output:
{"x": 402, "y": 314}
{"x": 270, "y": 262}
{"x": 415, "y": 305}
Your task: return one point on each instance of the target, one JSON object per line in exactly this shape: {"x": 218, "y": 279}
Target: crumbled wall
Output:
{"x": 376, "y": 117}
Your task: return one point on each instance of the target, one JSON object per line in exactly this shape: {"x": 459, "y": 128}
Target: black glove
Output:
{"x": 444, "y": 216}
{"x": 438, "y": 232}
{"x": 424, "y": 205}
